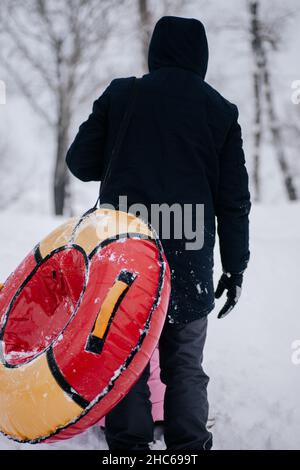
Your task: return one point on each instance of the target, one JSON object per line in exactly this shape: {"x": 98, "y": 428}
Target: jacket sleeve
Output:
{"x": 85, "y": 157}
{"x": 233, "y": 202}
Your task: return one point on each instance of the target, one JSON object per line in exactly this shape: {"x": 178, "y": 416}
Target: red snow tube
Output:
{"x": 79, "y": 321}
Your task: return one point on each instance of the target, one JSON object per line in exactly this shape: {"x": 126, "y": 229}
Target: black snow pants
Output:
{"x": 130, "y": 426}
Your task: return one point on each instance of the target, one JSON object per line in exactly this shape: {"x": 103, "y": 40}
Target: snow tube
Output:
{"x": 79, "y": 320}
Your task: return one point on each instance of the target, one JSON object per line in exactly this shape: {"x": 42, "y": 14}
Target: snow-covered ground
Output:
{"x": 255, "y": 387}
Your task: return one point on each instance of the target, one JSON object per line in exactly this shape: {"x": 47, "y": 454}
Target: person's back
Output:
{"x": 177, "y": 130}
{"x": 182, "y": 146}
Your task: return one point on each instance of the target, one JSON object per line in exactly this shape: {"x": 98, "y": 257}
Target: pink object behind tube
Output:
{"x": 157, "y": 390}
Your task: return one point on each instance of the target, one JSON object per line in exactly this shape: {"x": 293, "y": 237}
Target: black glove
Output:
{"x": 233, "y": 284}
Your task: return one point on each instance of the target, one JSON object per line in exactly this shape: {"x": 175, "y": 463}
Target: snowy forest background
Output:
{"x": 56, "y": 57}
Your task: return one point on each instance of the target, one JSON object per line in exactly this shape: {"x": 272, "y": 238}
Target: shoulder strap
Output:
{"x": 121, "y": 134}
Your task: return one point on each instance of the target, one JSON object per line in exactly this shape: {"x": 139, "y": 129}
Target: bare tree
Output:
{"x": 145, "y": 28}
{"x": 257, "y": 83}
{"x": 52, "y": 48}
{"x": 262, "y": 35}
{"x": 292, "y": 135}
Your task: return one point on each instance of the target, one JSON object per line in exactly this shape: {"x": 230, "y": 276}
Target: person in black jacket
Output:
{"x": 182, "y": 146}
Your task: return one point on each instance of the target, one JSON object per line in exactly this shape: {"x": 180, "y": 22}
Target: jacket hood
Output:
{"x": 179, "y": 42}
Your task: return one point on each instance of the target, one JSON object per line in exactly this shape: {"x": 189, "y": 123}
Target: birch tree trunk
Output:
{"x": 257, "y": 83}
{"x": 145, "y": 19}
{"x": 277, "y": 136}
{"x": 262, "y": 80}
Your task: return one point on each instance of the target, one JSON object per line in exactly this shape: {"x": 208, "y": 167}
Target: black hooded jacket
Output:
{"x": 183, "y": 145}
